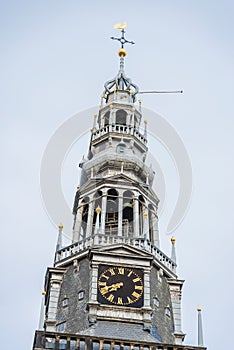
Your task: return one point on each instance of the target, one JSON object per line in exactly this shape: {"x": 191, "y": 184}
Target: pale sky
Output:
{"x": 55, "y": 58}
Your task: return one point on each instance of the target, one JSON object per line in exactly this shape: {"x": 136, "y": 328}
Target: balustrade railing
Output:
{"x": 107, "y": 239}
{"x": 119, "y": 129}
{"x": 60, "y": 341}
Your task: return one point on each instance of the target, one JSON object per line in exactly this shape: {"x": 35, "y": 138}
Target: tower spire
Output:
{"x": 173, "y": 252}
{"x": 121, "y": 81}
{"x": 59, "y": 242}
{"x": 200, "y": 330}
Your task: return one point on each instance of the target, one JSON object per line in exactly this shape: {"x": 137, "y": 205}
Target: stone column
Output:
{"x": 120, "y": 214}
{"x": 77, "y": 225}
{"x": 90, "y": 218}
{"x": 52, "y": 301}
{"x": 103, "y": 217}
{"x": 146, "y": 223}
{"x": 97, "y": 224}
{"x": 175, "y": 287}
{"x": 136, "y": 216}
{"x": 155, "y": 230}
{"x": 147, "y": 309}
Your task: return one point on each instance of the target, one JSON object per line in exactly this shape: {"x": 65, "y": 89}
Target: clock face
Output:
{"x": 121, "y": 286}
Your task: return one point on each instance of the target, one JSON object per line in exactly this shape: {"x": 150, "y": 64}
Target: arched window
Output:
{"x": 128, "y": 213}
{"x": 85, "y": 204}
{"x": 112, "y": 212}
{"x": 151, "y": 222}
{"x": 106, "y": 118}
{"x": 141, "y": 212}
{"x": 121, "y": 117}
{"x": 97, "y": 203}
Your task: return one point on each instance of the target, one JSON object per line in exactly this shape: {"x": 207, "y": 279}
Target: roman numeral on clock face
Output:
{"x": 120, "y": 301}
{"x": 139, "y": 287}
{"x": 110, "y": 297}
{"x": 135, "y": 294}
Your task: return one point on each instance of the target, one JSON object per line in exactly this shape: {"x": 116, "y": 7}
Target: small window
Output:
{"x": 96, "y": 345}
{"x": 106, "y": 346}
{"x": 81, "y": 295}
{"x": 156, "y": 301}
{"x": 50, "y": 343}
{"x": 72, "y": 344}
{"x": 62, "y": 344}
{"x": 60, "y": 327}
{"x": 168, "y": 311}
{"x": 65, "y": 302}
{"x": 121, "y": 149}
{"x": 127, "y": 347}
{"x": 117, "y": 347}
{"x": 82, "y": 345}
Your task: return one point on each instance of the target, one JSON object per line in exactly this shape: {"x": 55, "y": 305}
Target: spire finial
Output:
{"x": 121, "y": 81}
{"x": 200, "y": 330}
{"x": 173, "y": 252}
{"x": 122, "y": 39}
{"x": 59, "y": 242}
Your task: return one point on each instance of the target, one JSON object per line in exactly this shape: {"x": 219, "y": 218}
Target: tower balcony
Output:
{"x": 61, "y": 341}
{"x": 119, "y": 129}
{"x": 68, "y": 253}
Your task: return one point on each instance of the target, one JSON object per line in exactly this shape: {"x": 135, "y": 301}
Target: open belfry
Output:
{"x": 113, "y": 288}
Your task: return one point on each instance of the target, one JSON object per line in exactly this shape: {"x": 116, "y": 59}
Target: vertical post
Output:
{"x": 42, "y": 312}
{"x": 136, "y": 216}
{"x": 77, "y": 226}
{"x": 90, "y": 218}
{"x": 146, "y": 223}
{"x": 59, "y": 242}
{"x": 173, "y": 252}
{"x": 97, "y": 224}
{"x": 155, "y": 230}
{"x": 120, "y": 214}
{"x": 94, "y": 122}
{"x": 200, "y": 330}
{"x": 103, "y": 217}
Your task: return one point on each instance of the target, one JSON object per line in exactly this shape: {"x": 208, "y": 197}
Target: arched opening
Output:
{"x": 128, "y": 213}
{"x": 97, "y": 203}
{"x": 107, "y": 118}
{"x": 112, "y": 205}
{"x": 151, "y": 222}
{"x": 85, "y": 204}
{"x": 121, "y": 117}
{"x": 141, "y": 212}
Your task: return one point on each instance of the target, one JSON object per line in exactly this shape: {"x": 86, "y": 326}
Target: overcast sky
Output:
{"x": 55, "y": 58}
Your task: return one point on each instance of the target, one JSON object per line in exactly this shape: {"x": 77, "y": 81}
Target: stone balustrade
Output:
{"x": 106, "y": 239}
{"x": 61, "y": 341}
{"x": 119, "y": 129}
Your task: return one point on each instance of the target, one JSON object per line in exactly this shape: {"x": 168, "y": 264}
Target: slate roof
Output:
{"x": 119, "y": 330}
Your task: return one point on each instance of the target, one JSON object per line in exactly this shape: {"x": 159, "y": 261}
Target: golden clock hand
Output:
{"x": 115, "y": 286}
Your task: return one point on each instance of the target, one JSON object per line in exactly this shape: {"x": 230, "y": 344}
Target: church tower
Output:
{"x": 113, "y": 288}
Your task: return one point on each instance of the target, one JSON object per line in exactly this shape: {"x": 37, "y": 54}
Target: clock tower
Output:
{"x": 113, "y": 288}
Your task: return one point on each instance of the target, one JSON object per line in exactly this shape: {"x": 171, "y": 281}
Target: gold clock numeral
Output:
{"x": 121, "y": 270}
{"x": 104, "y": 290}
{"x": 129, "y": 300}
{"x": 139, "y": 287}
{"x": 137, "y": 279}
{"x": 104, "y": 276}
{"x": 102, "y": 284}
{"x": 120, "y": 301}
{"x": 111, "y": 297}
{"x": 112, "y": 272}
{"x": 130, "y": 273}
{"x": 136, "y": 295}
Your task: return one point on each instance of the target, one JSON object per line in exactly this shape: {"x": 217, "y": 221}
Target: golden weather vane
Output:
{"x": 122, "y": 39}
